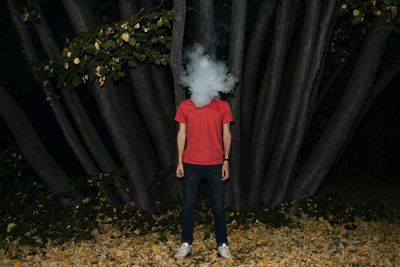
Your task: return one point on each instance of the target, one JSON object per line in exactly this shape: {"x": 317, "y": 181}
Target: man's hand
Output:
{"x": 225, "y": 170}
{"x": 179, "y": 170}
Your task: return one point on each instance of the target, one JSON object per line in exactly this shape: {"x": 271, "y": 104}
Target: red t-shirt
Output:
{"x": 204, "y": 130}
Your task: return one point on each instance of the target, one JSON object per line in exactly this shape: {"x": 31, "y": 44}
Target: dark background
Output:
{"x": 371, "y": 162}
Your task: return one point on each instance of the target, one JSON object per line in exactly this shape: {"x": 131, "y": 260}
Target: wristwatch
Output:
{"x": 226, "y": 159}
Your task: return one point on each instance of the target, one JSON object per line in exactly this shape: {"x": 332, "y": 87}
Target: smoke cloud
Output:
{"x": 205, "y": 76}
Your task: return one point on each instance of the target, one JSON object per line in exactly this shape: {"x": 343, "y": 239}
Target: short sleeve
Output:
{"x": 227, "y": 114}
{"x": 180, "y": 115}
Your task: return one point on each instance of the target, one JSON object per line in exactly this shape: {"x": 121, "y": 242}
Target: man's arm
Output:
{"x": 227, "y": 139}
{"x": 180, "y": 141}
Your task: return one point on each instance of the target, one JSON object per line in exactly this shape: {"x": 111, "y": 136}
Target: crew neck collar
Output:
{"x": 212, "y": 101}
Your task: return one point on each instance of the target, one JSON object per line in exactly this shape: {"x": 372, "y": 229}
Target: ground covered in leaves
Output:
{"x": 313, "y": 242}
{"x": 354, "y": 221}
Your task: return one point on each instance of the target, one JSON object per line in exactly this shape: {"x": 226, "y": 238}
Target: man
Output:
{"x": 206, "y": 133}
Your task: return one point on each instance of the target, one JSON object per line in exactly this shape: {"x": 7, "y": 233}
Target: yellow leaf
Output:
{"x": 125, "y": 37}
{"x": 10, "y": 226}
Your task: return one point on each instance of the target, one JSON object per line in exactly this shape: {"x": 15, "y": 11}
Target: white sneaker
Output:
{"x": 224, "y": 251}
{"x": 184, "y": 250}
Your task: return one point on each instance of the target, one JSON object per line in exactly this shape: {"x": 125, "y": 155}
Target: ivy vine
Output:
{"x": 355, "y": 20}
{"x": 142, "y": 37}
{"x": 360, "y": 10}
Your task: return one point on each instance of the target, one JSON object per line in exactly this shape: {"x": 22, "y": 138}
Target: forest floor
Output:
{"x": 315, "y": 243}
{"x": 311, "y": 239}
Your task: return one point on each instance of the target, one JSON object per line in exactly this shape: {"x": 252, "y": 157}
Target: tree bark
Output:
{"x": 382, "y": 82}
{"x": 325, "y": 27}
{"x": 81, "y": 18}
{"x": 175, "y": 62}
{"x": 205, "y": 25}
{"x": 158, "y": 78}
{"x": 234, "y": 193}
{"x": 160, "y": 130}
{"x": 114, "y": 114}
{"x": 147, "y": 4}
{"x": 94, "y": 142}
{"x": 108, "y": 103}
{"x": 251, "y": 66}
{"x": 56, "y": 107}
{"x": 127, "y": 8}
{"x": 160, "y": 125}
{"x": 162, "y": 91}
{"x": 81, "y": 118}
{"x": 290, "y": 119}
{"x": 319, "y": 94}
{"x": 354, "y": 98}
{"x": 32, "y": 146}
{"x": 45, "y": 35}
{"x": 267, "y": 101}
{"x": 22, "y": 32}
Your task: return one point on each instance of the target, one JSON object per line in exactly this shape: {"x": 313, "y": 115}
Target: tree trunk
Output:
{"x": 56, "y": 107}
{"x": 136, "y": 131}
{"x": 162, "y": 91}
{"x": 319, "y": 95}
{"x": 234, "y": 195}
{"x": 205, "y": 25}
{"x": 267, "y": 101}
{"x": 175, "y": 62}
{"x": 382, "y": 82}
{"x": 113, "y": 115}
{"x": 127, "y": 8}
{"x": 108, "y": 103}
{"x": 79, "y": 14}
{"x": 45, "y": 35}
{"x": 94, "y": 142}
{"x": 160, "y": 125}
{"x": 251, "y": 65}
{"x": 81, "y": 118}
{"x": 27, "y": 45}
{"x": 290, "y": 119}
{"x": 354, "y": 98}
{"x": 325, "y": 27}
{"x": 147, "y": 4}
{"x": 160, "y": 129}
{"x": 32, "y": 146}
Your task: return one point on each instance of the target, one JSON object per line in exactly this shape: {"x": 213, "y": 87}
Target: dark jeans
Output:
{"x": 191, "y": 184}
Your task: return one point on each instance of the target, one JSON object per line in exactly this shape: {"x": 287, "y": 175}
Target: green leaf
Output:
{"x": 356, "y": 20}
{"x": 76, "y": 80}
{"x": 101, "y": 56}
{"x": 162, "y": 39}
{"x": 118, "y": 75}
{"x": 153, "y": 26}
{"x": 169, "y": 15}
{"x": 166, "y": 23}
{"x": 140, "y": 57}
{"x": 111, "y": 43}
{"x": 132, "y": 42}
{"x": 160, "y": 22}
{"x": 132, "y": 63}
{"x": 91, "y": 49}
{"x": 154, "y": 40}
